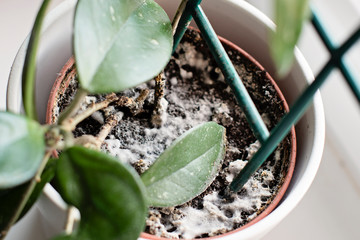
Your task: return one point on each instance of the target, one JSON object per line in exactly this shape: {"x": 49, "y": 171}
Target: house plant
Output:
{"x": 185, "y": 108}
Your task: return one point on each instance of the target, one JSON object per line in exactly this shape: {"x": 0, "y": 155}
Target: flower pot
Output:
{"x": 189, "y": 60}
{"x": 251, "y": 34}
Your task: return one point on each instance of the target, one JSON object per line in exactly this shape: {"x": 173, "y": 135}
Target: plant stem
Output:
{"x": 70, "y": 221}
{"x": 111, "y": 122}
{"x": 27, "y": 193}
{"x": 29, "y": 70}
{"x": 135, "y": 106}
{"x": 70, "y": 123}
{"x": 95, "y": 142}
{"x": 156, "y": 119}
{"x": 74, "y": 106}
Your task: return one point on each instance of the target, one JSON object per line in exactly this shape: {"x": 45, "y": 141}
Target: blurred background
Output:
{"x": 330, "y": 209}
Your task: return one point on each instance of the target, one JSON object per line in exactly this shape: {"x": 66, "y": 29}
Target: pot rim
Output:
{"x": 313, "y": 157}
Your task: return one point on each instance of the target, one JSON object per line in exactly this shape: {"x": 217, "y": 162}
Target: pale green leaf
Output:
{"x": 187, "y": 167}
{"x": 290, "y": 16}
{"x": 109, "y": 195}
{"x": 120, "y": 43}
{"x": 22, "y": 149}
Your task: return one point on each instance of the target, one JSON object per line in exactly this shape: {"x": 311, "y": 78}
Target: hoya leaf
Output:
{"x": 10, "y": 198}
{"x": 21, "y": 149}
{"x": 187, "y": 167}
{"x": 289, "y": 19}
{"x": 109, "y": 195}
{"x": 119, "y": 44}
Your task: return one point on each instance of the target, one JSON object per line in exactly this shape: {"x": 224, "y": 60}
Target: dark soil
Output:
{"x": 188, "y": 86}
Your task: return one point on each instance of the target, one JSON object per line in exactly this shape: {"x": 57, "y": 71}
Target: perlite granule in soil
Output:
{"x": 196, "y": 92}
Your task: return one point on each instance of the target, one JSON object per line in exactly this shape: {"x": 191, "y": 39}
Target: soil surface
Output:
{"x": 196, "y": 92}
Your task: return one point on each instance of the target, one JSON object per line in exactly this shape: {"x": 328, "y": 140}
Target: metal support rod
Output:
{"x": 353, "y": 83}
{"x": 252, "y": 115}
{"x": 269, "y": 141}
{"x": 281, "y": 129}
{"x": 337, "y": 53}
{"x": 329, "y": 44}
{"x": 349, "y": 42}
{"x": 300, "y": 106}
{"x": 184, "y": 22}
{"x": 178, "y": 14}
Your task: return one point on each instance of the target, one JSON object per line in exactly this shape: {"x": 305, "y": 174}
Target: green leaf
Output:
{"x": 120, "y": 43}
{"x": 289, "y": 19}
{"x": 11, "y": 198}
{"x": 187, "y": 167}
{"x": 109, "y": 195}
{"x": 21, "y": 149}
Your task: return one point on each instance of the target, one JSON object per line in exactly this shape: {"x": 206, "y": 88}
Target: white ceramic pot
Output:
{"x": 235, "y": 20}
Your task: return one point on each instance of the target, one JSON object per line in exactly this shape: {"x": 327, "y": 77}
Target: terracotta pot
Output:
{"x": 251, "y": 34}
{"x": 68, "y": 73}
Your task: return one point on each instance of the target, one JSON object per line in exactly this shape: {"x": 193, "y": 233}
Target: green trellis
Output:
{"x": 269, "y": 140}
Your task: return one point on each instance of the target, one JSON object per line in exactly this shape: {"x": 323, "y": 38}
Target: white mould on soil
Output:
{"x": 136, "y": 142}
